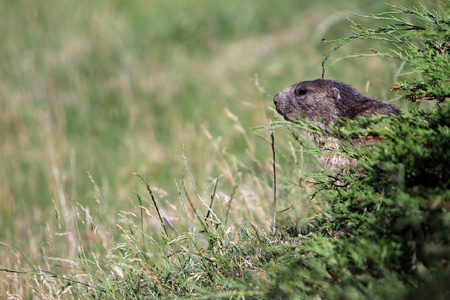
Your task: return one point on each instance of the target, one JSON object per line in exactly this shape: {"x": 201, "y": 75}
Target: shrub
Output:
{"x": 383, "y": 230}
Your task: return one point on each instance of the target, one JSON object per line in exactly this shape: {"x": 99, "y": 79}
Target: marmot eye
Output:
{"x": 300, "y": 91}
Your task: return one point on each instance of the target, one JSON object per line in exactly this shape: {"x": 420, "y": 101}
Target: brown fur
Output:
{"x": 323, "y": 101}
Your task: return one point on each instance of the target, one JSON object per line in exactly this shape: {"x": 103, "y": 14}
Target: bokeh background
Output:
{"x": 93, "y": 91}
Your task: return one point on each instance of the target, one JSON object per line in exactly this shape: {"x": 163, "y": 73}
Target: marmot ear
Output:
{"x": 334, "y": 93}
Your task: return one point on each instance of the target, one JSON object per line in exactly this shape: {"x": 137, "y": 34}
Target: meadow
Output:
{"x": 95, "y": 96}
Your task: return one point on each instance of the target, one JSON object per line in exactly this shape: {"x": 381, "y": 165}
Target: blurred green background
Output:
{"x": 108, "y": 88}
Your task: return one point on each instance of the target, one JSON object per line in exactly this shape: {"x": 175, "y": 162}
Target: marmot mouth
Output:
{"x": 283, "y": 113}
{"x": 278, "y": 110}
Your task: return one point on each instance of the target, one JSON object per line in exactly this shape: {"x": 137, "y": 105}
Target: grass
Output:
{"x": 91, "y": 93}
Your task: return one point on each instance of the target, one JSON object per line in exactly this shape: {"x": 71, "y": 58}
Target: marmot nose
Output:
{"x": 276, "y": 98}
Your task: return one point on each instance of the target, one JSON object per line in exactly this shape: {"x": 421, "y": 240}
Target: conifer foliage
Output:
{"x": 384, "y": 229}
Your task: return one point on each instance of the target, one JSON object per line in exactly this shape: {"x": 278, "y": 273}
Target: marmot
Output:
{"x": 324, "y": 101}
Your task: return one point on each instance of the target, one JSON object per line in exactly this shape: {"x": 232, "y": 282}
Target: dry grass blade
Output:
{"x": 212, "y": 198}
{"x": 155, "y": 204}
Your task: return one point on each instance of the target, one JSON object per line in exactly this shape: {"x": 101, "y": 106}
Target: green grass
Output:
{"x": 112, "y": 88}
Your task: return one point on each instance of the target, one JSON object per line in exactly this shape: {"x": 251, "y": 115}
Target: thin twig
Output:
{"x": 274, "y": 180}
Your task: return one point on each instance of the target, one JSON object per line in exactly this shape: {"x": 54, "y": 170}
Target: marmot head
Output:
{"x": 323, "y": 99}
